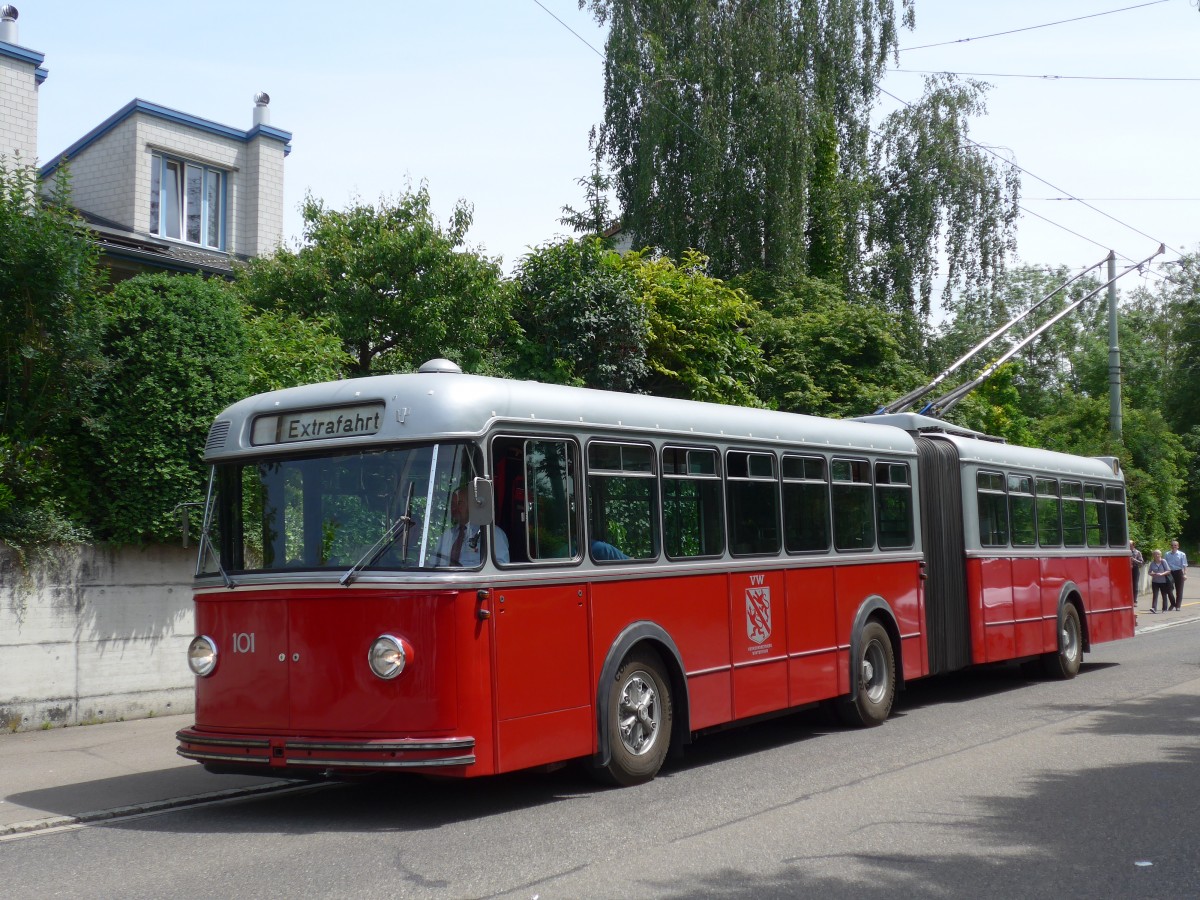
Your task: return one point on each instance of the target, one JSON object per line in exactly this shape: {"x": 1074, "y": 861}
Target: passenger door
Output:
{"x": 543, "y": 675}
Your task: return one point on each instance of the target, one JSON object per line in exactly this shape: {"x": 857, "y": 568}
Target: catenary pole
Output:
{"x": 1114, "y": 352}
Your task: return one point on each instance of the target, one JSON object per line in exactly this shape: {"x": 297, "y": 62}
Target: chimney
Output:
{"x": 262, "y": 115}
{"x": 8, "y": 24}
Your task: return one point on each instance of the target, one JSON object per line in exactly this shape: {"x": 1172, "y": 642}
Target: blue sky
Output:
{"x": 491, "y": 101}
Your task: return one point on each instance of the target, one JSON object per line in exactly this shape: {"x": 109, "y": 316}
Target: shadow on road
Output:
{"x": 1032, "y": 835}
{"x": 403, "y": 803}
{"x": 1141, "y": 808}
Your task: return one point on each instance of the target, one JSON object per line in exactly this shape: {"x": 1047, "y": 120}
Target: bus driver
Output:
{"x": 461, "y": 545}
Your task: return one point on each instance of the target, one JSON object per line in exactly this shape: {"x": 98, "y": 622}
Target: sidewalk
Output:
{"x": 87, "y": 773}
{"x": 1147, "y": 618}
{"x": 1191, "y": 599}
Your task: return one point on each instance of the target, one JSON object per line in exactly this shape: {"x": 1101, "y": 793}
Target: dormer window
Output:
{"x": 187, "y": 201}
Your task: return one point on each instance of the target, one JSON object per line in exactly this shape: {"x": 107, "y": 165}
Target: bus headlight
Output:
{"x": 202, "y": 655}
{"x": 389, "y": 655}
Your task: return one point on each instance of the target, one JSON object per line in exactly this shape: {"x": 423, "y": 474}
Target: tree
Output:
{"x": 596, "y": 217}
{"x": 1154, "y": 460}
{"x": 582, "y": 317}
{"x": 1181, "y": 306}
{"x": 396, "y": 287}
{"x": 1178, "y": 336}
{"x": 1143, "y": 332}
{"x": 996, "y": 408}
{"x": 825, "y": 355}
{"x": 721, "y": 117}
{"x": 175, "y": 347}
{"x": 935, "y": 191}
{"x": 285, "y": 350}
{"x": 742, "y": 129}
{"x": 699, "y": 344}
{"x": 49, "y": 278}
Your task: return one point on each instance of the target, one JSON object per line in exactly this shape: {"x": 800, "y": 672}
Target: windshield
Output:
{"x": 375, "y": 509}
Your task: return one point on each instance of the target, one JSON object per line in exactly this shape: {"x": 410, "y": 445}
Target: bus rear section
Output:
{"x": 1029, "y": 557}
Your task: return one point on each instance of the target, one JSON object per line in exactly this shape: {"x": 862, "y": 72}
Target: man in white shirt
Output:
{"x": 1177, "y": 560}
{"x": 463, "y": 545}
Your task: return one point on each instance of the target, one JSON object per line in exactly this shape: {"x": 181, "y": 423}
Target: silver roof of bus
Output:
{"x": 989, "y": 453}
{"x": 451, "y": 405}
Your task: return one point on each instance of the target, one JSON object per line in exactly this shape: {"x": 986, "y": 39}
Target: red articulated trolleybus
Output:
{"x": 465, "y": 575}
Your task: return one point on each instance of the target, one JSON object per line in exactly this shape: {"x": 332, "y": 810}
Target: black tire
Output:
{"x": 874, "y": 670}
{"x": 1064, "y": 662}
{"x": 640, "y": 717}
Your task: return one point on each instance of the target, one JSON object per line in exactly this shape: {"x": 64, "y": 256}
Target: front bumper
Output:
{"x": 312, "y": 756}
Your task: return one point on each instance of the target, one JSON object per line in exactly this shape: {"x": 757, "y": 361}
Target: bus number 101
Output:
{"x": 243, "y": 642}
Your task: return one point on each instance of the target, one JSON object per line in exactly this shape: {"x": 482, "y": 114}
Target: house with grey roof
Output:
{"x": 160, "y": 189}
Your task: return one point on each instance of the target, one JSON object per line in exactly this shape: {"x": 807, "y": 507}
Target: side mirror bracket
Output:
{"x": 481, "y": 502}
{"x": 185, "y": 520}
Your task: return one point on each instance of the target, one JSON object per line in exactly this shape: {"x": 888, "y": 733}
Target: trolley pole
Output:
{"x": 1114, "y": 352}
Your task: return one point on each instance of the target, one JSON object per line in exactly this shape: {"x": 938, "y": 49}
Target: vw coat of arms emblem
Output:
{"x": 758, "y": 613}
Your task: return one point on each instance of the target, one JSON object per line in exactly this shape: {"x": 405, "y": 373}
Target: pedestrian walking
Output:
{"x": 1160, "y": 582}
{"x": 1177, "y": 560}
{"x": 1136, "y": 561}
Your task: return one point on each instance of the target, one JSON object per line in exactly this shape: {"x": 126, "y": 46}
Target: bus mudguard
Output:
{"x": 870, "y": 607}
{"x": 1064, "y": 597}
{"x": 637, "y": 633}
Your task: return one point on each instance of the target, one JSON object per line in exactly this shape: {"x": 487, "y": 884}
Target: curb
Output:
{"x": 1147, "y": 622}
{"x": 123, "y": 812}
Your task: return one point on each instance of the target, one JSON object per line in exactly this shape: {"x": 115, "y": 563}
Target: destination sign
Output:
{"x": 318, "y": 424}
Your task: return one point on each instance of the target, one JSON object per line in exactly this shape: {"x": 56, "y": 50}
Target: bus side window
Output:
{"x": 551, "y": 527}
{"x": 992, "y": 506}
{"x": 622, "y": 502}
{"x": 1049, "y": 513}
{"x": 1118, "y": 535}
{"x": 805, "y": 504}
{"x": 752, "y": 503}
{"x": 1094, "y": 515}
{"x": 853, "y": 505}
{"x": 1072, "y": 513}
{"x": 508, "y": 466}
{"x": 691, "y": 489}
{"x": 894, "y": 500}
{"x": 1022, "y": 517}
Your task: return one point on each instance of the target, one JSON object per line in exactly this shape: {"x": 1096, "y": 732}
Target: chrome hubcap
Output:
{"x": 1070, "y": 640}
{"x": 639, "y": 714}
{"x": 874, "y": 672}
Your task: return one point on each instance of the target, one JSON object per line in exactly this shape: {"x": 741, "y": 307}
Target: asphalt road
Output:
{"x": 986, "y": 784}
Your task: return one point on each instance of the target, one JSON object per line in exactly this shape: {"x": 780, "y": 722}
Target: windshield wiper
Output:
{"x": 206, "y": 544}
{"x": 401, "y": 525}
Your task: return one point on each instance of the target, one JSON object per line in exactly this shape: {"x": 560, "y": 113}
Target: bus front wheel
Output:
{"x": 874, "y": 670}
{"x": 639, "y": 721}
{"x": 1065, "y": 661}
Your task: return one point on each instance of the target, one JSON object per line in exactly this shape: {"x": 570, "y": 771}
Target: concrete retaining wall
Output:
{"x": 95, "y": 634}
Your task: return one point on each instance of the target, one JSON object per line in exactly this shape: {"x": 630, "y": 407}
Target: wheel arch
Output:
{"x": 1072, "y": 594}
{"x": 875, "y": 607}
{"x": 642, "y": 634}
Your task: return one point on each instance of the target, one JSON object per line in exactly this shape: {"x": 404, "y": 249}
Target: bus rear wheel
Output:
{"x": 874, "y": 671}
{"x": 1064, "y": 662}
{"x": 640, "y": 717}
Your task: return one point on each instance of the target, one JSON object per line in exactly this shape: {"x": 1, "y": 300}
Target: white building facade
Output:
{"x": 177, "y": 179}
{"x": 21, "y": 74}
{"x": 161, "y": 189}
